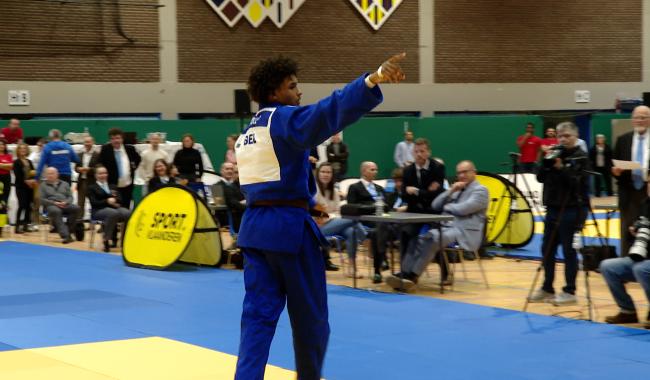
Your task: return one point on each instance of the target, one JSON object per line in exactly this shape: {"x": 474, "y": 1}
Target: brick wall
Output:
{"x": 549, "y": 41}
{"x": 330, "y": 40}
{"x": 50, "y": 41}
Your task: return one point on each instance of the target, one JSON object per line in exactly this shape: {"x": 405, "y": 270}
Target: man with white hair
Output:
{"x": 58, "y": 154}
{"x": 632, "y": 184}
{"x": 56, "y": 197}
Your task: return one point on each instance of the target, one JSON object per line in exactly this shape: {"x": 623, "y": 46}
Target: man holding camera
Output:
{"x": 565, "y": 197}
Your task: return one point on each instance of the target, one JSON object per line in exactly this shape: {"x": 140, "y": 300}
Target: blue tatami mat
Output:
{"x": 53, "y": 296}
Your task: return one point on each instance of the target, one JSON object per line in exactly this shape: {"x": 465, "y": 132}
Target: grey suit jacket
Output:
{"x": 468, "y": 208}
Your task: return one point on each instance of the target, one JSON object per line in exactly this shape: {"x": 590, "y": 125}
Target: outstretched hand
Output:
{"x": 389, "y": 71}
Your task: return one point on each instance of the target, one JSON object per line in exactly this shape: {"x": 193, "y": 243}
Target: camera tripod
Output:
{"x": 579, "y": 229}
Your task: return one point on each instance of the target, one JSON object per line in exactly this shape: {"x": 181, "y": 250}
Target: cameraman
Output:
{"x": 616, "y": 273}
{"x": 565, "y": 197}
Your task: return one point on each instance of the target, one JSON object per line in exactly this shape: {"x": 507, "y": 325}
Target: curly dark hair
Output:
{"x": 268, "y": 75}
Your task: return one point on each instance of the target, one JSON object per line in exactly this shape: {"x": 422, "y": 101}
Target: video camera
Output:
{"x": 639, "y": 249}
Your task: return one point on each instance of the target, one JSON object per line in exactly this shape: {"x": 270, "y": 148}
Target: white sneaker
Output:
{"x": 540, "y": 296}
{"x": 564, "y": 299}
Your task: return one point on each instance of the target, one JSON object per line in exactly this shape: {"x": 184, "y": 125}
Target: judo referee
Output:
{"x": 280, "y": 241}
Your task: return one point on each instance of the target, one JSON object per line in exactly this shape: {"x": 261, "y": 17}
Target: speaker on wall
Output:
{"x": 242, "y": 103}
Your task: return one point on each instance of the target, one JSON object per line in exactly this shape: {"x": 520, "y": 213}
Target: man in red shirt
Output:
{"x": 529, "y": 147}
{"x": 549, "y": 139}
{"x": 12, "y": 133}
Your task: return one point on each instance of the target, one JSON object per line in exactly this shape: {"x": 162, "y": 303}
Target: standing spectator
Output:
{"x": 600, "y": 156}
{"x": 189, "y": 161}
{"x": 161, "y": 175}
{"x": 149, "y": 156}
{"x": 549, "y": 140}
{"x": 35, "y": 158}
{"x": 230, "y": 151}
{"x": 529, "y": 147}
{"x": 106, "y": 205}
{"x": 24, "y": 184}
{"x": 58, "y": 154}
{"x": 56, "y": 197}
{"x": 632, "y": 190}
{"x": 88, "y": 158}
{"x": 423, "y": 182}
{"x": 337, "y": 155}
{"x": 404, "y": 151}
{"x": 35, "y": 155}
{"x": 120, "y": 161}
{"x": 12, "y": 133}
{"x": 6, "y": 164}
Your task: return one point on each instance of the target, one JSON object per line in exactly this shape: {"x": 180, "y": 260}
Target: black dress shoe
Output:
{"x": 622, "y": 318}
{"x": 107, "y": 247}
{"x": 377, "y": 279}
{"x": 67, "y": 240}
{"x": 329, "y": 266}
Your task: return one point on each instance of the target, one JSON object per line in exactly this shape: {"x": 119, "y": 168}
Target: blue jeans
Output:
{"x": 559, "y": 230}
{"x": 346, "y": 228}
{"x": 617, "y": 271}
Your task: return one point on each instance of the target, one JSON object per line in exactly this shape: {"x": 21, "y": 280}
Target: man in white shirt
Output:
{"x": 121, "y": 161}
{"x": 632, "y": 184}
{"x": 149, "y": 156}
{"x": 404, "y": 151}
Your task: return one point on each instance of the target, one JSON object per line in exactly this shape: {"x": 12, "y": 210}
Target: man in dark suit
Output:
{"x": 366, "y": 192}
{"x": 233, "y": 196}
{"x": 121, "y": 161}
{"x": 87, "y": 161}
{"x": 632, "y": 188}
{"x": 423, "y": 182}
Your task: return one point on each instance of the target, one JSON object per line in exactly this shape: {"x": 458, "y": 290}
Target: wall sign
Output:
{"x": 255, "y": 11}
{"x": 376, "y": 12}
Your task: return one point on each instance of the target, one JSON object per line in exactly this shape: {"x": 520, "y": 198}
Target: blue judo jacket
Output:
{"x": 273, "y": 159}
{"x": 58, "y": 154}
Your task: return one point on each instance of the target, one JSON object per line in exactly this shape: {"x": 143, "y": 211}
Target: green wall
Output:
{"x": 484, "y": 139}
{"x": 602, "y": 123}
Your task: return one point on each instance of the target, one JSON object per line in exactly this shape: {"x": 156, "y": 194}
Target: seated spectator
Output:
{"x": 161, "y": 176}
{"x": 366, "y": 192}
{"x": 230, "y": 149}
{"x": 234, "y": 198}
{"x": 105, "y": 201}
{"x": 616, "y": 273}
{"x": 189, "y": 161}
{"x": 337, "y": 155}
{"x": 56, "y": 198}
{"x": 467, "y": 201}
{"x": 12, "y": 133}
{"x": 329, "y": 202}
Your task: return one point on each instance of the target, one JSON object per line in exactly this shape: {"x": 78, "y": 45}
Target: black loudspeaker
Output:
{"x": 242, "y": 103}
{"x": 646, "y": 99}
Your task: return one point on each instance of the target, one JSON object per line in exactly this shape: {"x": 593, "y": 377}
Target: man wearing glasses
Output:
{"x": 632, "y": 184}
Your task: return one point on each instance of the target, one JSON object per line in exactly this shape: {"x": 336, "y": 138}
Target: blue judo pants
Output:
{"x": 271, "y": 279}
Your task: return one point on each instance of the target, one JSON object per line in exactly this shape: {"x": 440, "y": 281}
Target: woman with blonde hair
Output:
{"x": 25, "y": 182}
